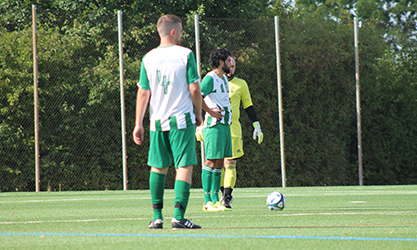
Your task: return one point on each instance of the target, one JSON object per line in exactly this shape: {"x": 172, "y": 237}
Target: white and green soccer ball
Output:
{"x": 276, "y": 201}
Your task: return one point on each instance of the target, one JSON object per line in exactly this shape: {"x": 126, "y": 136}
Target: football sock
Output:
{"x": 230, "y": 175}
{"x": 222, "y": 180}
{"x": 157, "y": 187}
{"x": 228, "y": 191}
{"x": 215, "y": 184}
{"x": 206, "y": 176}
{"x": 182, "y": 194}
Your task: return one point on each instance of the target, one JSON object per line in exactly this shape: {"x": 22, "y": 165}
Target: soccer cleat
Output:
{"x": 221, "y": 207}
{"x": 156, "y": 224}
{"x": 183, "y": 224}
{"x": 210, "y": 207}
{"x": 226, "y": 200}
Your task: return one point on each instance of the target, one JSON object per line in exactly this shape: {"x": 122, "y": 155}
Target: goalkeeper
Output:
{"x": 239, "y": 95}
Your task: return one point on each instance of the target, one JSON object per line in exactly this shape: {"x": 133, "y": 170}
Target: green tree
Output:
{"x": 17, "y": 14}
{"x": 80, "y": 104}
{"x": 397, "y": 17}
{"x": 389, "y": 119}
{"x": 16, "y": 110}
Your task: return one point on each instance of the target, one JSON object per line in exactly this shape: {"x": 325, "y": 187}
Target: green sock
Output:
{"x": 206, "y": 176}
{"x": 215, "y": 184}
{"x": 182, "y": 194}
{"x": 157, "y": 187}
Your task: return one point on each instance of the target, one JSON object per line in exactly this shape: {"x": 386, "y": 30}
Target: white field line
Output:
{"x": 335, "y": 192}
{"x": 213, "y": 216}
{"x": 79, "y": 199}
{"x": 147, "y": 197}
{"x": 68, "y": 221}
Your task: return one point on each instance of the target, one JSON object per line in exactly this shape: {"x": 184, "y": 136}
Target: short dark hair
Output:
{"x": 218, "y": 55}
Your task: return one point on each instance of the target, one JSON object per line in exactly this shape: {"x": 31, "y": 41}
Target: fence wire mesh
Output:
{"x": 80, "y": 128}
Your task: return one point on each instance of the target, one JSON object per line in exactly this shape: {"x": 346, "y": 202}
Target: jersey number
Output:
{"x": 163, "y": 82}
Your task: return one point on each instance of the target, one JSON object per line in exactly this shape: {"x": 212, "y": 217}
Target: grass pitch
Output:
{"x": 351, "y": 217}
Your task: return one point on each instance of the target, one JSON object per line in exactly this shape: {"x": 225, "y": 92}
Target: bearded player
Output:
{"x": 239, "y": 95}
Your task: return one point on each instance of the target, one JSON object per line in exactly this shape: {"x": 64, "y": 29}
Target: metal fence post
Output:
{"x": 198, "y": 59}
{"x": 280, "y": 109}
{"x": 122, "y": 100}
{"x": 358, "y": 103}
{"x": 36, "y": 101}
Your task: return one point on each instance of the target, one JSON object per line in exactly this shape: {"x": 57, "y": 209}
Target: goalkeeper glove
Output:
{"x": 257, "y": 132}
{"x": 199, "y": 133}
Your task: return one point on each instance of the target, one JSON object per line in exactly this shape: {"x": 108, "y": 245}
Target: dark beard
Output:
{"x": 226, "y": 69}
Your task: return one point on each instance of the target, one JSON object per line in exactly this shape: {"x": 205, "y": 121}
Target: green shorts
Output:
{"x": 217, "y": 142}
{"x": 176, "y": 145}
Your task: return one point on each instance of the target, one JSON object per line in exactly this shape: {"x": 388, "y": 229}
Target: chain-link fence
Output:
{"x": 79, "y": 101}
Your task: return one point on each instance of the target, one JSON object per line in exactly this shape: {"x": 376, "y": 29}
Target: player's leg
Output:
{"x": 214, "y": 205}
{"x": 215, "y": 184}
{"x": 216, "y": 146}
{"x": 157, "y": 187}
{"x": 229, "y": 182}
{"x": 159, "y": 159}
{"x": 207, "y": 180}
{"x": 222, "y": 181}
{"x": 184, "y": 154}
{"x": 220, "y": 148}
{"x": 182, "y": 195}
{"x": 210, "y": 147}
{"x": 230, "y": 175}
{"x": 230, "y": 171}
{"x": 182, "y": 190}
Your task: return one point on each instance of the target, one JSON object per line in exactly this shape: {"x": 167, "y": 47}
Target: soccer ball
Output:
{"x": 276, "y": 201}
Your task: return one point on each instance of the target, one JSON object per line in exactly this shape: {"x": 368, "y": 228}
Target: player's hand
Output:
{"x": 138, "y": 135}
{"x": 199, "y": 133}
{"x": 198, "y": 120}
{"x": 216, "y": 114}
{"x": 257, "y": 132}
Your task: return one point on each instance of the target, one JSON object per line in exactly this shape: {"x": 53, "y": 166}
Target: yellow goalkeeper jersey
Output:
{"x": 238, "y": 93}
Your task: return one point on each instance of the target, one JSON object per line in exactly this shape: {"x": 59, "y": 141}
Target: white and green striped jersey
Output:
{"x": 215, "y": 91}
{"x": 166, "y": 72}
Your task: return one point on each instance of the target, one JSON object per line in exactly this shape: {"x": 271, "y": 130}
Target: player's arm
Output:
{"x": 253, "y": 116}
{"x": 194, "y": 87}
{"x": 213, "y": 112}
{"x": 197, "y": 101}
{"x": 257, "y": 131}
{"x": 206, "y": 89}
{"x": 142, "y": 100}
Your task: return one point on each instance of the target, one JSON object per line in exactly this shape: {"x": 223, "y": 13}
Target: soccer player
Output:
{"x": 169, "y": 83}
{"x": 239, "y": 94}
{"x": 216, "y": 128}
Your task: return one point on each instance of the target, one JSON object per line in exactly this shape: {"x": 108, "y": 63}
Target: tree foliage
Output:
{"x": 80, "y": 94}
{"x": 397, "y": 17}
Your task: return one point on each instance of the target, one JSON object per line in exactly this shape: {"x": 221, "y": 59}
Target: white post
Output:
{"x": 197, "y": 44}
{"x": 36, "y": 101}
{"x": 358, "y": 103}
{"x": 122, "y": 100}
{"x": 198, "y": 59}
{"x": 280, "y": 108}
